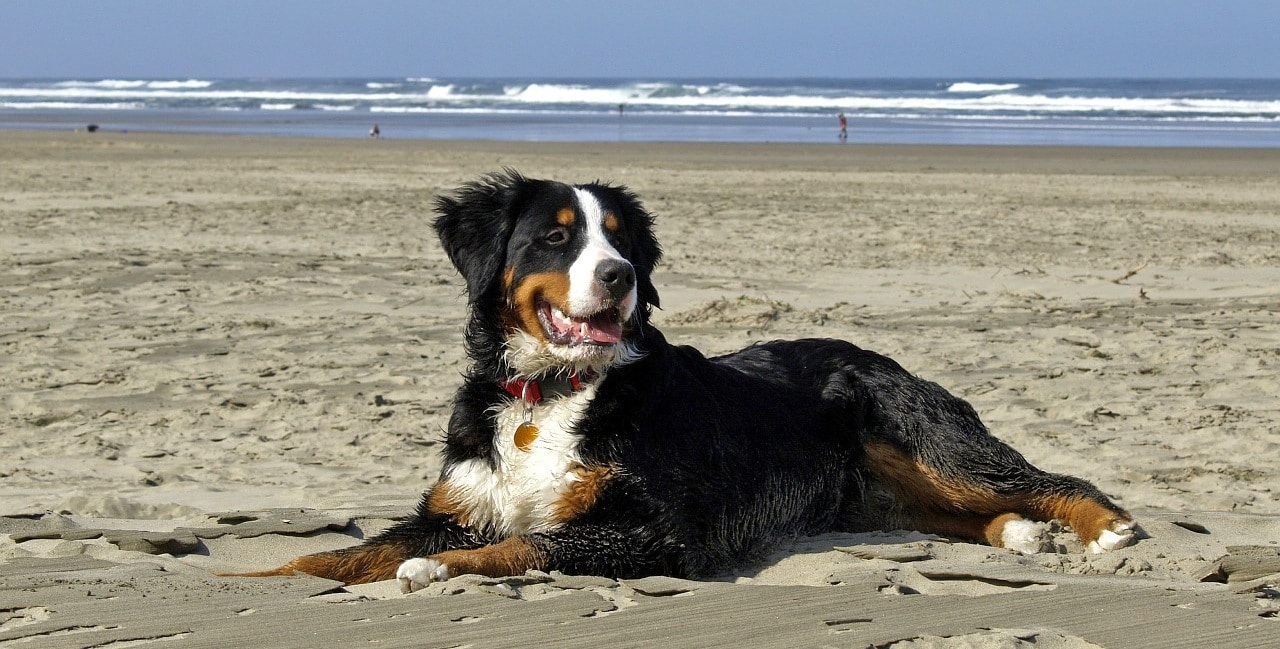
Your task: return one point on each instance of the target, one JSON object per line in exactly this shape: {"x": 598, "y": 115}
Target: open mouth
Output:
{"x": 602, "y": 328}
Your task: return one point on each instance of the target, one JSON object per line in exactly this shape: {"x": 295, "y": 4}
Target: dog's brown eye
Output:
{"x": 557, "y": 236}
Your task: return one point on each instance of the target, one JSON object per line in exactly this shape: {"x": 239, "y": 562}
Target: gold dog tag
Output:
{"x": 525, "y": 434}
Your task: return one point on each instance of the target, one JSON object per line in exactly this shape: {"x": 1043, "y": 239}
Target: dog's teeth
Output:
{"x": 560, "y": 320}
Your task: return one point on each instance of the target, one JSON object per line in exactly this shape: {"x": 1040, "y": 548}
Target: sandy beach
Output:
{"x": 218, "y": 353}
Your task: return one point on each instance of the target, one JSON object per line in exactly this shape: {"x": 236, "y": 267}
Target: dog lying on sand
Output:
{"x": 582, "y": 441}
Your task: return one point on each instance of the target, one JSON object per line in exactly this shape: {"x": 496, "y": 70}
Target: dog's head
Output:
{"x": 557, "y": 275}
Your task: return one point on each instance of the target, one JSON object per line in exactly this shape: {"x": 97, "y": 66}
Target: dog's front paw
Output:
{"x": 416, "y": 574}
{"x": 1121, "y": 534}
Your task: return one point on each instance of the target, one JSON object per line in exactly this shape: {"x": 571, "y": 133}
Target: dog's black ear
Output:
{"x": 645, "y": 252}
{"x": 474, "y": 225}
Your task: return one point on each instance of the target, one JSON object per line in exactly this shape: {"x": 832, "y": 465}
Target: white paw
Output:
{"x": 1027, "y": 537}
{"x": 1120, "y": 535}
{"x": 416, "y": 574}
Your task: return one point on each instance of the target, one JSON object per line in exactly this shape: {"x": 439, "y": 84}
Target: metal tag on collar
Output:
{"x": 527, "y": 431}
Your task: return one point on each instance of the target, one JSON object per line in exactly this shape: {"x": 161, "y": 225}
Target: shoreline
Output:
{"x": 984, "y": 158}
{"x": 643, "y": 128}
{"x": 220, "y": 352}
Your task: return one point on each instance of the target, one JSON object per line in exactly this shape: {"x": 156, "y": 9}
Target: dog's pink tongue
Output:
{"x": 600, "y": 328}
{"x": 603, "y": 329}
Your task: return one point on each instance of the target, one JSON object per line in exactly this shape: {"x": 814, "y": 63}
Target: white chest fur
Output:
{"x": 521, "y": 491}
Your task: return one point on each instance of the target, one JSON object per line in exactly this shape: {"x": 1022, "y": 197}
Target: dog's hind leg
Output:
{"x": 987, "y": 492}
{"x": 948, "y": 474}
{"x": 1007, "y": 530}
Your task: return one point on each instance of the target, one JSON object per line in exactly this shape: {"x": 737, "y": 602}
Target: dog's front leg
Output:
{"x": 513, "y": 556}
{"x": 378, "y": 558}
{"x": 434, "y": 528}
{"x": 576, "y": 548}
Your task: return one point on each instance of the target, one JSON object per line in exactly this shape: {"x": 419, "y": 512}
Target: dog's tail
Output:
{"x": 357, "y": 565}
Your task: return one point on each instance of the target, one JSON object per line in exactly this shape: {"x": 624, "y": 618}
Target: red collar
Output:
{"x": 531, "y": 390}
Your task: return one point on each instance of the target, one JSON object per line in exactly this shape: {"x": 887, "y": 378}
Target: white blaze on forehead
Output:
{"x": 584, "y": 296}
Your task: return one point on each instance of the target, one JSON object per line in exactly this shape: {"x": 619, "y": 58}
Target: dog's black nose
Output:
{"x": 617, "y": 276}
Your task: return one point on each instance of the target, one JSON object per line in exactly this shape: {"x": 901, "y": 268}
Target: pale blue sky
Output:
{"x": 640, "y": 38}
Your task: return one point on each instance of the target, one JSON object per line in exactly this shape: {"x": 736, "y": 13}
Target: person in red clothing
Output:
{"x": 844, "y": 127}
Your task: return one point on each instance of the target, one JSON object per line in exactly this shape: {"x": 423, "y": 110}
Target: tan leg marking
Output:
{"x": 1087, "y": 517}
{"x": 921, "y": 486}
{"x": 366, "y": 563}
{"x": 443, "y": 500}
{"x": 514, "y": 556}
{"x": 946, "y": 505}
{"x": 979, "y": 527}
{"x": 583, "y": 493}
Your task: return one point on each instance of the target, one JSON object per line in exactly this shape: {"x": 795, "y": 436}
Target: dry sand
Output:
{"x": 218, "y": 353}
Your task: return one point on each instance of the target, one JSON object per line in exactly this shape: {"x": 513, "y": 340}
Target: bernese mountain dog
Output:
{"x": 582, "y": 441}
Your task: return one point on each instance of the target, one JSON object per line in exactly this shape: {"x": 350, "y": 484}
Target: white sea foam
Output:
{"x": 189, "y": 83}
{"x": 595, "y": 98}
{"x": 132, "y": 83}
{"x": 460, "y": 110}
{"x": 969, "y": 86}
{"x": 956, "y": 100}
{"x": 440, "y": 92}
{"x": 247, "y": 95}
{"x": 70, "y": 105}
{"x": 545, "y": 93}
{"x": 105, "y": 83}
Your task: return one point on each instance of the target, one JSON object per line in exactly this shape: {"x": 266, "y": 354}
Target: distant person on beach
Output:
{"x": 375, "y": 132}
{"x": 844, "y": 127}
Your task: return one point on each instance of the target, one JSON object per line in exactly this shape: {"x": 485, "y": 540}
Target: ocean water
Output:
{"x": 1119, "y": 112}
